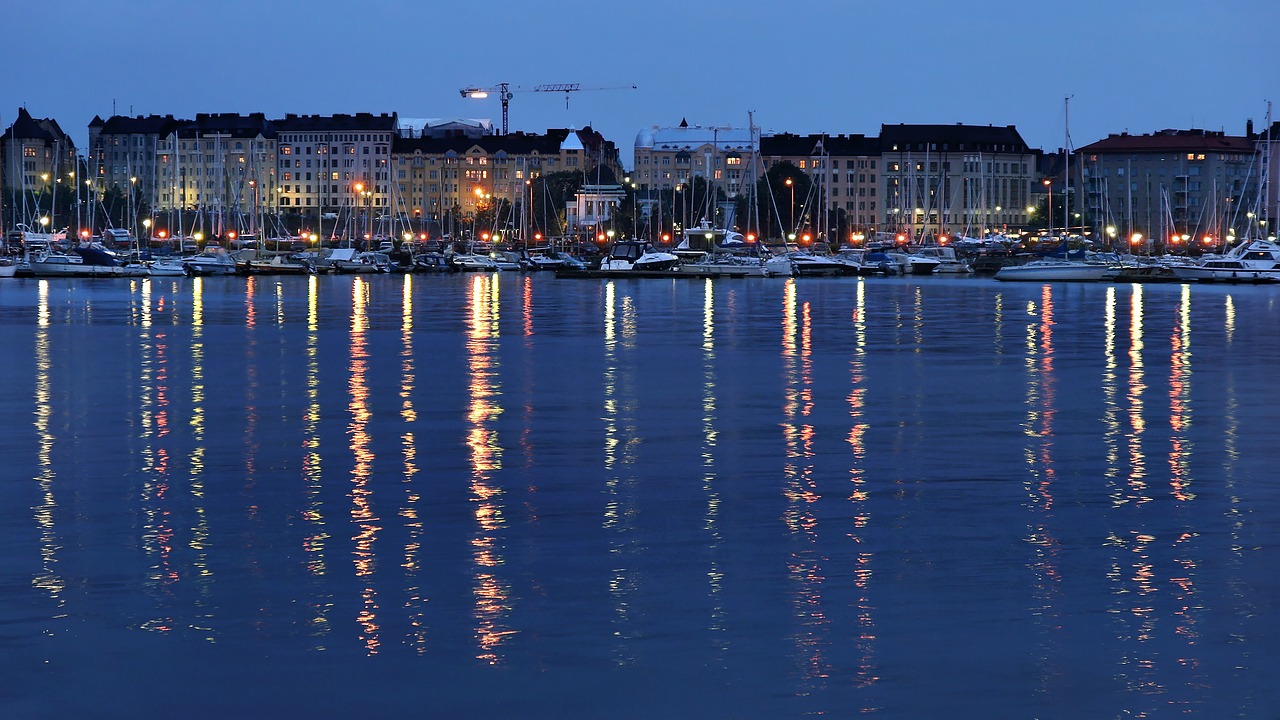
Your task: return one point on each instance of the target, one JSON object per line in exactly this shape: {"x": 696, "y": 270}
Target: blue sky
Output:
{"x": 805, "y": 67}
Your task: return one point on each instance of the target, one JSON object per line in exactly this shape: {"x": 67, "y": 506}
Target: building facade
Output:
{"x": 669, "y": 157}
{"x": 447, "y": 179}
{"x": 37, "y": 159}
{"x": 946, "y": 180}
{"x": 1171, "y": 185}
{"x": 843, "y": 170}
{"x": 335, "y": 165}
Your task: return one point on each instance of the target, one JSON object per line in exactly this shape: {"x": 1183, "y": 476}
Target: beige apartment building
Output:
{"x": 447, "y": 178}
{"x": 952, "y": 180}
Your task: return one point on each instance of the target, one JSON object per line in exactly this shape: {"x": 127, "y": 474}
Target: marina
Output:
{"x": 497, "y": 493}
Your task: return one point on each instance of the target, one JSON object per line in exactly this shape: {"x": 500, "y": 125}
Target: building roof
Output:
{"x": 689, "y": 137}
{"x": 229, "y": 124}
{"x": 1170, "y": 141}
{"x": 367, "y": 122}
{"x": 160, "y": 125}
{"x": 789, "y": 145}
{"x": 951, "y": 138}
{"x": 28, "y": 128}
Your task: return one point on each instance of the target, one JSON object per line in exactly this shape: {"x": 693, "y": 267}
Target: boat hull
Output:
{"x": 1068, "y": 272}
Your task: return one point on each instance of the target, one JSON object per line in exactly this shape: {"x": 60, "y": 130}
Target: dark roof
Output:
{"x": 160, "y": 125}
{"x": 787, "y": 144}
{"x": 951, "y": 138}
{"x": 96, "y": 122}
{"x": 28, "y": 128}
{"x": 232, "y": 124}
{"x": 1170, "y": 141}
{"x": 42, "y": 129}
{"x": 367, "y": 122}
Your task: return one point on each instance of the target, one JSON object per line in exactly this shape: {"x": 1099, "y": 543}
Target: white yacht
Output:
{"x": 1252, "y": 261}
{"x": 634, "y": 255}
{"x": 948, "y": 260}
{"x": 212, "y": 261}
{"x": 1056, "y": 269}
{"x": 802, "y": 263}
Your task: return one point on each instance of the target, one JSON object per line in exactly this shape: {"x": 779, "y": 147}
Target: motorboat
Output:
{"x": 507, "y": 260}
{"x": 802, "y": 263}
{"x": 1249, "y": 262}
{"x": 60, "y": 264}
{"x": 433, "y": 262}
{"x": 473, "y": 262}
{"x": 706, "y": 238}
{"x": 212, "y": 261}
{"x": 636, "y": 255}
{"x": 914, "y": 264}
{"x": 170, "y": 266}
{"x": 725, "y": 263}
{"x": 948, "y": 259}
{"x": 1056, "y": 270}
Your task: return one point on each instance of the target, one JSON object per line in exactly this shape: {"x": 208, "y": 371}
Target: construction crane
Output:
{"x": 504, "y": 91}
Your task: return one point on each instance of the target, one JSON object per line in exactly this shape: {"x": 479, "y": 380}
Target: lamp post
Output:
{"x": 792, "y": 220}
{"x": 1049, "y": 185}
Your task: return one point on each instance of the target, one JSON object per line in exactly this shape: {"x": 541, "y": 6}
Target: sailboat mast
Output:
{"x": 1066, "y": 165}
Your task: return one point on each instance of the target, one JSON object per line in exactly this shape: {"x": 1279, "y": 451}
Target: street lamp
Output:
{"x": 1049, "y": 184}
{"x": 792, "y": 221}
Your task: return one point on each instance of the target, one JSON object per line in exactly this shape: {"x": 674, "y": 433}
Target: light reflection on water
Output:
{"x": 794, "y": 496}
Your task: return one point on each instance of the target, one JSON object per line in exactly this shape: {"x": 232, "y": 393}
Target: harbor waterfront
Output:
{"x": 499, "y": 494}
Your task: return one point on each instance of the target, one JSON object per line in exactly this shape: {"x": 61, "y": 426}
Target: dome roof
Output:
{"x": 644, "y": 139}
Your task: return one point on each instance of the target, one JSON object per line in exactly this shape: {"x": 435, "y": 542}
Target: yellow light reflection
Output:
{"x": 317, "y": 535}
{"x": 1137, "y": 388}
{"x": 362, "y": 515}
{"x": 1180, "y": 400}
{"x": 200, "y": 534}
{"x": 710, "y": 436}
{"x": 491, "y": 593}
{"x": 158, "y": 536}
{"x": 47, "y": 579}
{"x": 866, "y": 673}
{"x": 804, "y": 566}
{"x": 620, "y": 445}
{"x": 414, "y": 600}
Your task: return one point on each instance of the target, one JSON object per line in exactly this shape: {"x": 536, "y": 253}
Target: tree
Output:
{"x": 550, "y": 194}
{"x": 780, "y": 206}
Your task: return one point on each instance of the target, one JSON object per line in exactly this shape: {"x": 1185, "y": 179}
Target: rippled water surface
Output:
{"x": 517, "y": 496}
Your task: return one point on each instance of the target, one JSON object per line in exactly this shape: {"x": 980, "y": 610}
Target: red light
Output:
{"x": 1175, "y": 239}
{"x": 943, "y": 240}
{"x": 666, "y": 237}
{"x": 423, "y": 236}
{"x": 484, "y": 236}
{"x": 232, "y": 235}
{"x": 84, "y": 234}
{"x": 600, "y": 237}
{"x": 806, "y": 238}
{"x": 162, "y": 234}
{"x": 537, "y": 236}
{"x": 902, "y": 238}
{"x": 751, "y": 237}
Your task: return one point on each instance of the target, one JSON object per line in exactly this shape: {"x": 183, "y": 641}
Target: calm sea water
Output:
{"x": 517, "y": 496}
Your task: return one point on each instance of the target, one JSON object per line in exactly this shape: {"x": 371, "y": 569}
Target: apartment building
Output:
{"x": 35, "y": 157}
{"x": 1172, "y": 183}
{"x": 330, "y": 164}
{"x": 668, "y": 157}
{"x": 954, "y": 179}
{"x": 844, "y": 171}
{"x": 458, "y": 175}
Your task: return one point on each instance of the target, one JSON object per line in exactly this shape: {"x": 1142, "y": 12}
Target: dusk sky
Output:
{"x": 805, "y": 67}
